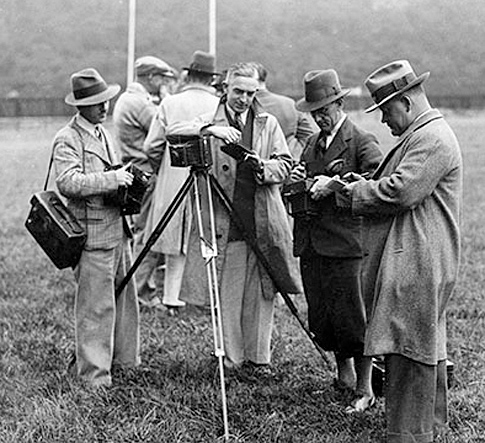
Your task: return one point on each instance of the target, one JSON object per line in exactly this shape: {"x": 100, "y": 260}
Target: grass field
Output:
{"x": 175, "y": 395}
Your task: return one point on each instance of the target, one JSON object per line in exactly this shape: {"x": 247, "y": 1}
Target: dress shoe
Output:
{"x": 360, "y": 404}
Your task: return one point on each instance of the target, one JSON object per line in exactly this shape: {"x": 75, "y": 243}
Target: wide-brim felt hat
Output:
{"x": 322, "y": 87}
{"x": 204, "y": 62}
{"x": 89, "y": 88}
{"x": 391, "y": 80}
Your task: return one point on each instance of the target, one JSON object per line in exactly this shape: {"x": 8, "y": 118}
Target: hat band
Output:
{"x": 90, "y": 91}
{"x": 396, "y": 85}
{"x": 322, "y": 94}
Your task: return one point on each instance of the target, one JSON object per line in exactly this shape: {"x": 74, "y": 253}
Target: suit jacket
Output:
{"x": 412, "y": 241}
{"x": 80, "y": 162}
{"x": 297, "y": 126}
{"x": 335, "y": 232}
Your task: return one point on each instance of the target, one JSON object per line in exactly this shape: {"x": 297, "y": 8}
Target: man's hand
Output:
{"x": 226, "y": 133}
{"x": 123, "y": 176}
{"x": 354, "y": 177}
{"x": 319, "y": 189}
{"x": 298, "y": 173}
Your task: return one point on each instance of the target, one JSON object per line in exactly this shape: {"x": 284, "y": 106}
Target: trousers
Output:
{"x": 107, "y": 328}
{"x": 247, "y": 317}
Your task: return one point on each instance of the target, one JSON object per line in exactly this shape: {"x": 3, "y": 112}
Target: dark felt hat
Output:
{"x": 89, "y": 88}
{"x": 203, "y": 62}
{"x": 321, "y": 88}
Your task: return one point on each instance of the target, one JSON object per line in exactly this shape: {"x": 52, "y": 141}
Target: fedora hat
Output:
{"x": 148, "y": 64}
{"x": 390, "y": 80}
{"x": 203, "y": 62}
{"x": 321, "y": 89}
{"x": 89, "y": 88}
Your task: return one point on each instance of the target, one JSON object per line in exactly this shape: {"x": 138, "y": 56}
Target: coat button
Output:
{"x": 225, "y": 168}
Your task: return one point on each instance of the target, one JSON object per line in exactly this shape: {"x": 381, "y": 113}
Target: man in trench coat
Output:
{"x": 253, "y": 185}
{"x": 411, "y": 207}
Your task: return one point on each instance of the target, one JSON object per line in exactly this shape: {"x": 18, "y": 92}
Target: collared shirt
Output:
{"x": 337, "y": 127}
{"x": 243, "y": 115}
{"x": 87, "y": 125}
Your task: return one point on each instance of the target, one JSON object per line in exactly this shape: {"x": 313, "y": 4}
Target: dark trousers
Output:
{"x": 336, "y": 313}
{"x": 416, "y": 399}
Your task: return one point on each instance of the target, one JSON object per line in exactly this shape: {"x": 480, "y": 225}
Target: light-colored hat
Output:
{"x": 203, "y": 62}
{"x": 152, "y": 65}
{"x": 390, "y": 80}
{"x": 321, "y": 89}
{"x": 89, "y": 88}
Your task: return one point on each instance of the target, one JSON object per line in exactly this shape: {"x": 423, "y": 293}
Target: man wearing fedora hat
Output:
{"x": 196, "y": 97}
{"x": 132, "y": 116}
{"x": 329, "y": 243}
{"x": 107, "y": 328}
{"x": 412, "y": 211}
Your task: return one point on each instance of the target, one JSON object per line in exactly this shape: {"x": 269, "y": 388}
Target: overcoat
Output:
{"x": 412, "y": 241}
{"x": 82, "y": 178}
{"x": 273, "y": 232}
{"x": 194, "y": 99}
{"x": 133, "y": 113}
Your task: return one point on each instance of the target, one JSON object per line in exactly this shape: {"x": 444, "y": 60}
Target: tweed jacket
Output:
{"x": 297, "y": 126}
{"x": 273, "y": 233}
{"x": 132, "y": 116}
{"x": 412, "y": 210}
{"x": 193, "y": 100}
{"x": 80, "y": 160}
{"x": 336, "y": 232}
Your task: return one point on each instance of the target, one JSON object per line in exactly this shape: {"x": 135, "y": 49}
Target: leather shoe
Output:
{"x": 360, "y": 404}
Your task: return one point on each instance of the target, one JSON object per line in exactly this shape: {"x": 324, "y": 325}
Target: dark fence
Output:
{"x": 54, "y": 106}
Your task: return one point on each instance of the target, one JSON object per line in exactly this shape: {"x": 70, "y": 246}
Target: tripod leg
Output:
{"x": 162, "y": 224}
{"x": 209, "y": 253}
{"x": 264, "y": 262}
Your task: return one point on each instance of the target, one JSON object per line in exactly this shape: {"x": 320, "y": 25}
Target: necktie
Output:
{"x": 97, "y": 131}
{"x": 238, "y": 121}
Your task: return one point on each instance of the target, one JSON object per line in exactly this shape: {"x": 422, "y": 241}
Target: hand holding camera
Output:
{"x": 123, "y": 175}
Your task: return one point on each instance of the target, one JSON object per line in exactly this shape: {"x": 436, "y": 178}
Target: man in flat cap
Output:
{"x": 196, "y": 97}
{"x": 329, "y": 241}
{"x": 107, "y": 328}
{"x": 411, "y": 207}
{"x": 132, "y": 116}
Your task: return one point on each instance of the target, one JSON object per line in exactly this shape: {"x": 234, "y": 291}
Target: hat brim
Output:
{"x": 418, "y": 81}
{"x": 102, "y": 97}
{"x": 305, "y": 106}
{"x": 202, "y": 71}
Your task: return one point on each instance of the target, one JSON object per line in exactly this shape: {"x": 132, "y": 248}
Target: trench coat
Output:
{"x": 412, "y": 241}
{"x": 273, "y": 232}
{"x": 194, "y": 99}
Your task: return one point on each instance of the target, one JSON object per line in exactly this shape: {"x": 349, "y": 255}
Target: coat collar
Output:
{"x": 260, "y": 117}
{"x": 418, "y": 123}
{"x": 91, "y": 143}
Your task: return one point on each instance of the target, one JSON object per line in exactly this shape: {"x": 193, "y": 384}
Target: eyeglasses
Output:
{"x": 323, "y": 111}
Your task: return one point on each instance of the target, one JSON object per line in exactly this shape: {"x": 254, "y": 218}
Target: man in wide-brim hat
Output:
{"x": 196, "y": 97}
{"x": 412, "y": 211}
{"x": 329, "y": 244}
{"x": 107, "y": 328}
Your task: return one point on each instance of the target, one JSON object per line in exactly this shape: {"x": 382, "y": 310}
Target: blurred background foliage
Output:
{"x": 43, "y": 42}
